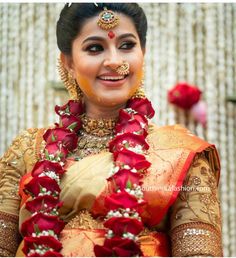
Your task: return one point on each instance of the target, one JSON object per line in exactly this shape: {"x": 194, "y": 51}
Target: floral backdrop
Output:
{"x": 193, "y": 43}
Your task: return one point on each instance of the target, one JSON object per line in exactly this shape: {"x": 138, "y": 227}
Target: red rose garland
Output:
{"x": 41, "y": 231}
{"x": 129, "y": 146}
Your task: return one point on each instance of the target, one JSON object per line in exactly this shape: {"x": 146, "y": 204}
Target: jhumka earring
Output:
{"x": 70, "y": 83}
{"x": 140, "y": 93}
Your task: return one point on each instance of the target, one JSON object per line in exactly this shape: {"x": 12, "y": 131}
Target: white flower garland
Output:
{"x": 30, "y": 68}
{"x": 222, "y": 111}
{"x": 231, "y": 127}
{"x": 199, "y": 23}
{"x": 3, "y": 88}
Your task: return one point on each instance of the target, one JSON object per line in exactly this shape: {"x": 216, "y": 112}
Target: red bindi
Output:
{"x": 111, "y": 34}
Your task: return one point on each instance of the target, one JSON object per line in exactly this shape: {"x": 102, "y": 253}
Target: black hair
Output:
{"x": 72, "y": 18}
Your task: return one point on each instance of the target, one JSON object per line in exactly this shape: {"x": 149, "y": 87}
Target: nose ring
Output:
{"x": 123, "y": 69}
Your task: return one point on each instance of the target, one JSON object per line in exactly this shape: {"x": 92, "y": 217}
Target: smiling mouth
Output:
{"x": 112, "y": 78}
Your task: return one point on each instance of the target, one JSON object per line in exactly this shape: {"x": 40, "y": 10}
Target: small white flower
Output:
{"x": 126, "y": 215}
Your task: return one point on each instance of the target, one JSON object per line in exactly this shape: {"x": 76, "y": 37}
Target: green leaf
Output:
{"x": 67, "y": 110}
{"x": 53, "y": 137}
{"x": 72, "y": 126}
{"x": 36, "y": 229}
{"x": 126, "y": 145}
{"x": 129, "y": 184}
{"x": 46, "y": 154}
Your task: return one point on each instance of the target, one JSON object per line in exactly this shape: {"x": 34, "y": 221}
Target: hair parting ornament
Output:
{"x": 107, "y": 19}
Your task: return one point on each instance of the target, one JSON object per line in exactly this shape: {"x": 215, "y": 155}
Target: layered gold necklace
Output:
{"x": 94, "y": 136}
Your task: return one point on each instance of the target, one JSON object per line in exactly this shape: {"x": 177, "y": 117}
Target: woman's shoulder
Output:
{"x": 176, "y": 136}
{"x": 24, "y": 148}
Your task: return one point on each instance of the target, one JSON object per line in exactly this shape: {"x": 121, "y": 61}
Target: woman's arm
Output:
{"x": 195, "y": 216}
{"x": 16, "y": 161}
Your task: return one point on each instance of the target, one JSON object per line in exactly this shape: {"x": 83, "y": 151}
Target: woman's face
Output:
{"x": 95, "y": 56}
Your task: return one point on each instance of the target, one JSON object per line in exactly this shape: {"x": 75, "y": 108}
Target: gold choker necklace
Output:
{"x": 98, "y": 127}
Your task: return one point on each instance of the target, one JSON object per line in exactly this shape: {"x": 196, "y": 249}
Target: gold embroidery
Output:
{"x": 8, "y": 229}
{"x": 19, "y": 158}
{"x": 195, "y": 239}
{"x": 200, "y": 201}
{"x": 84, "y": 220}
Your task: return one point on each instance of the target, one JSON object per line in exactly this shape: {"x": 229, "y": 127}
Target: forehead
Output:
{"x": 90, "y": 27}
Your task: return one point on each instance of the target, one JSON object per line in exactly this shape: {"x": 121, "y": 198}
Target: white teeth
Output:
{"x": 110, "y": 78}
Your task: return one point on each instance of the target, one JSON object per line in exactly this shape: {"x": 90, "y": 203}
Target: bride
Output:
{"x": 105, "y": 181}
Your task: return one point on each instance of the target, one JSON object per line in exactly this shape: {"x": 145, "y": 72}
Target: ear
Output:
{"x": 67, "y": 62}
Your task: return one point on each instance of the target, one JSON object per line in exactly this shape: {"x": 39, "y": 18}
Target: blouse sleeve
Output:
{"x": 15, "y": 162}
{"x": 195, "y": 216}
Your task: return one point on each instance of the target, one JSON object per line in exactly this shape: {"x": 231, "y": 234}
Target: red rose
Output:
{"x": 40, "y": 222}
{"x": 123, "y": 178}
{"x": 116, "y": 247}
{"x": 65, "y": 136}
{"x": 125, "y": 116}
{"x": 46, "y": 165}
{"x": 57, "y": 150}
{"x": 122, "y": 225}
{"x": 121, "y": 200}
{"x": 73, "y": 107}
{"x": 38, "y": 204}
{"x": 133, "y": 140}
{"x": 48, "y": 241}
{"x": 131, "y": 126}
{"x": 134, "y": 160}
{"x": 142, "y": 106}
{"x": 34, "y": 187}
{"x": 70, "y": 122}
{"x": 184, "y": 95}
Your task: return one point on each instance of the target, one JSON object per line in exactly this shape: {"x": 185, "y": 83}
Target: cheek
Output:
{"x": 137, "y": 81}
{"x": 86, "y": 85}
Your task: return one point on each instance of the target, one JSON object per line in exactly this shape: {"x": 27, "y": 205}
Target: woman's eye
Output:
{"x": 127, "y": 45}
{"x": 94, "y": 48}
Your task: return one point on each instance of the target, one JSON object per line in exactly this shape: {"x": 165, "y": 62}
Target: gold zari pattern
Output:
{"x": 84, "y": 220}
{"x": 199, "y": 199}
{"x": 196, "y": 239}
{"x": 8, "y": 229}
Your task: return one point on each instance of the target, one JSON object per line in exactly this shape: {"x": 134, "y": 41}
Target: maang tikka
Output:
{"x": 107, "y": 19}
{"x": 70, "y": 83}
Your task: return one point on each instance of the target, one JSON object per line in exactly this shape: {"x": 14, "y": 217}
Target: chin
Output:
{"x": 114, "y": 101}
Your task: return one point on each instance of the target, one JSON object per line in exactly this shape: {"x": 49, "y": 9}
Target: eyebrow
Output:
{"x": 125, "y": 35}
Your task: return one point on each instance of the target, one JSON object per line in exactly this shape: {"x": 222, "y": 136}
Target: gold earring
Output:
{"x": 139, "y": 93}
{"x": 70, "y": 83}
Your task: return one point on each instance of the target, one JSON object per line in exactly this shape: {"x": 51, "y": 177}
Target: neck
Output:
{"x": 106, "y": 112}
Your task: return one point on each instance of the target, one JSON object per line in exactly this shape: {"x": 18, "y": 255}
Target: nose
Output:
{"x": 113, "y": 59}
